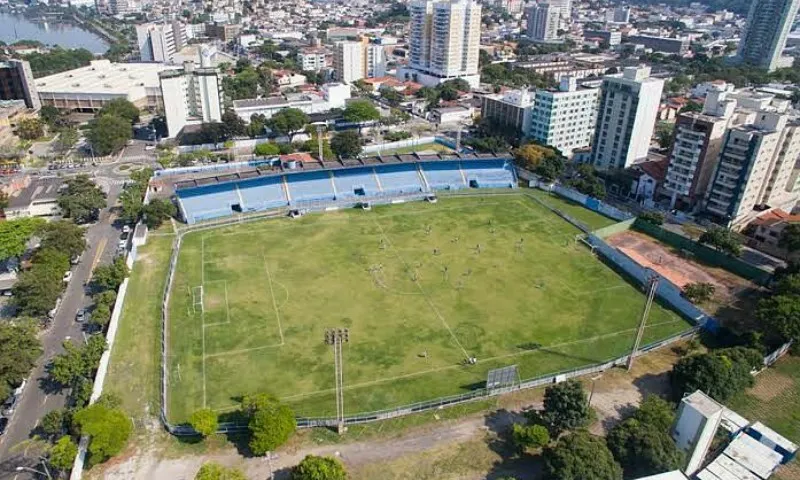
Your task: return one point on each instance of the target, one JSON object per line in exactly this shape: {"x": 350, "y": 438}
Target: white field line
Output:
{"x": 243, "y": 350}
{"x": 272, "y": 294}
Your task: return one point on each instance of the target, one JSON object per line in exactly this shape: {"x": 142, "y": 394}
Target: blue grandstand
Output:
{"x": 373, "y": 179}
{"x": 444, "y": 175}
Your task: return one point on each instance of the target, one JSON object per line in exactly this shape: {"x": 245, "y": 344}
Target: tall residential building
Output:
{"x": 159, "y": 42}
{"x": 764, "y": 37}
{"x": 191, "y": 96}
{"x": 312, "y": 59}
{"x": 543, "y": 22}
{"x": 696, "y": 148}
{"x": 511, "y": 109}
{"x": 16, "y": 83}
{"x": 121, "y": 7}
{"x": 626, "y": 118}
{"x": 348, "y": 61}
{"x": 564, "y": 118}
{"x": 375, "y": 61}
{"x": 565, "y": 9}
{"x": 621, "y": 14}
{"x": 444, "y": 42}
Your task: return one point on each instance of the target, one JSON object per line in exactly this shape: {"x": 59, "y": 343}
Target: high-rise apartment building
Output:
{"x": 348, "y": 61}
{"x": 191, "y": 96}
{"x": 564, "y": 118}
{"x": 16, "y": 83}
{"x": 158, "y": 42}
{"x": 375, "y": 61}
{"x": 312, "y": 59}
{"x": 696, "y": 148}
{"x": 764, "y": 37}
{"x": 511, "y": 109}
{"x": 565, "y": 9}
{"x": 444, "y": 42}
{"x": 626, "y": 118}
{"x": 543, "y": 22}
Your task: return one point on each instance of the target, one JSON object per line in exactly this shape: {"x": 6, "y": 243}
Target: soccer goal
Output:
{"x": 197, "y": 299}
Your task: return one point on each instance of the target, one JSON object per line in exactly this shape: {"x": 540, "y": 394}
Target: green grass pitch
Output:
{"x": 420, "y": 287}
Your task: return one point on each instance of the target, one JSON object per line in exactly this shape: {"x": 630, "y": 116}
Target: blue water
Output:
{"x": 62, "y": 34}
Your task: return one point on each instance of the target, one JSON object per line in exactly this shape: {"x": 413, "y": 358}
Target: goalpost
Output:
{"x": 197, "y": 299}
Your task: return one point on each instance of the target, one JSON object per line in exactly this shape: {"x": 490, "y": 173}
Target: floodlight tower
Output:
{"x": 335, "y": 337}
{"x": 652, "y": 283}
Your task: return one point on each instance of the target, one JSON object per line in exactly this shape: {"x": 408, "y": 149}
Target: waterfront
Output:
{"x": 16, "y": 27}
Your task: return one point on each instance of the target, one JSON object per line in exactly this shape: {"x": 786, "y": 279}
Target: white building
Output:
{"x": 348, "y": 61}
{"x": 626, "y": 118}
{"x": 334, "y": 95}
{"x": 312, "y": 60}
{"x": 191, "y": 97}
{"x": 565, "y": 10}
{"x": 697, "y": 421}
{"x": 375, "y": 59}
{"x": 564, "y": 118}
{"x": 511, "y": 109}
{"x": 444, "y": 42}
{"x": 543, "y": 22}
{"x": 158, "y": 42}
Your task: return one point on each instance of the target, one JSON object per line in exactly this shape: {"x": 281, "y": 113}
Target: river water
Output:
{"x": 66, "y": 35}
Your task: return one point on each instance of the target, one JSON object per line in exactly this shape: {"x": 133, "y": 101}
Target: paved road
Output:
{"x": 37, "y": 399}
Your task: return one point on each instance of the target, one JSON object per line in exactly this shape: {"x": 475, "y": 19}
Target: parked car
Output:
{"x": 126, "y": 229}
{"x": 81, "y": 316}
{"x": 3, "y": 425}
{"x": 75, "y": 260}
{"x": 67, "y": 276}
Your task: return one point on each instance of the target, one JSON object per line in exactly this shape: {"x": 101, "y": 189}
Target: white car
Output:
{"x": 67, "y": 276}
{"x": 126, "y": 229}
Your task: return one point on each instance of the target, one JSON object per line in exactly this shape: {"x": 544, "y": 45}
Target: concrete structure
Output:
{"x": 674, "y": 46}
{"x": 348, "y": 61}
{"x": 89, "y": 88}
{"x": 563, "y": 67}
{"x": 158, "y": 42}
{"x": 621, "y": 14}
{"x": 609, "y": 38}
{"x": 334, "y": 95}
{"x": 764, "y": 37}
{"x": 565, "y": 9}
{"x": 16, "y": 83}
{"x": 122, "y": 7}
{"x": 191, "y": 97}
{"x": 312, "y": 60}
{"x": 39, "y": 198}
{"x": 767, "y": 229}
{"x": 11, "y": 112}
{"x": 755, "y": 170}
{"x": 374, "y": 61}
{"x": 697, "y": 421}
{"x": 626, "y": 118}
{"x": 444, "y": 42}
{"x": 543, "y": 22}
{"x": 564, "y": 118}
{"x": 512, "y": 109}
{"x": 452, "y": 115}
{"x": 695, "y": 151}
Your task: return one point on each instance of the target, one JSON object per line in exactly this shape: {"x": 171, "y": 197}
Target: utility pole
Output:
{"x": 458, "y": 139}
{"x": 320, "y": 129}
{"x": 335, "y": 337}
{"x": 652, "y": 286}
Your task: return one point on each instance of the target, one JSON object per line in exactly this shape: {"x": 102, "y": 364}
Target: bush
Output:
{"x": 108, "y": 431}
{"x": 63, "y": 453}
{"x": 699, "y": 292}
{"x": 720, "y": 374}
{"x": 215, "y": 471}
{"x": 319, "y": 468}
{"x": 580, "y": 456}
{"x": 204, "y": 421}
{"x": 266, "y": 149}
{"x": 531, "y": 436}
{"x": 565, "y": 407}
{"x": 656, "y": 218}
{"x": 271, "y": 423}
{"x": 723, "y": 240}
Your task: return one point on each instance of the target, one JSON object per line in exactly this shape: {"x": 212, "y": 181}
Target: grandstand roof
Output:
{"x": 305, "y": 166}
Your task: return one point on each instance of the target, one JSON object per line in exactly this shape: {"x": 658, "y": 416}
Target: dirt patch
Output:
{"x": 770, "y": 385}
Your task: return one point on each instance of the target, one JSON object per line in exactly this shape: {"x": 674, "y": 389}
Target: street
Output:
{"x": 38, "y": 396}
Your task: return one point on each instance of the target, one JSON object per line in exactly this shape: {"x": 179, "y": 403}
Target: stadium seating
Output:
{"x": 212, "y": 201}
{"x": 310, "y": 186}
{"x": 489, "y": 174}
{"x": 262, "y": 194}
{"x": 398, "y": 179}
{"x": 443, "y": 175}
{"x": 355, "y": 182}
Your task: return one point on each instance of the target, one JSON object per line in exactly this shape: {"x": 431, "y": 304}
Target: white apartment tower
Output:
{"x": 158, "y": 42}
{"x": 764, "y": 38}
{"x": 444, "y": 41}
{"x": 565, "y": 9}
{"x": 191, "y": 96}
{"x": 564, "y": 118}
{"x": 543, "y": 22}
{"x": 348, "y": 61}
{"x": 375, "y": 60}
{"x": 626, "y": 118}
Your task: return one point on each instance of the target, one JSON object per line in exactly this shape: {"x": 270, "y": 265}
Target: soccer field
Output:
{"x": 420, "y": 287}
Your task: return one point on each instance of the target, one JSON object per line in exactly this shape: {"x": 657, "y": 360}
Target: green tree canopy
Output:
{"x": 271, "y": 423}
{"x": 781, "y": 314}
{"x": 123, "y": 108}
{"x": 49, "y": 115}
{"x": 158, "y": 211}
{"x": 565, "y": 406}
{"x": 551, "y": 167}
{"x": 215, "y": 471}
{"x": 530, "y": 155}
{"x": 110, "y": 277}
{"x": 720, "y": 373}
{"x": 359, "y": 111}
{"x": 53, "y": 422}
{"x": 204, "y": 421}
{"x": 266, "y": 149}
{"x": 109, "y": 134}
{"x": 82, "y": 199}
{"x": 289, "y": 122}
{"x": 723, "y": 239}
{"x": 77, "y": 361}
{"x": 656, "y": 218}
{"x": 580, "y": 456}
{"x": 14, "y": 235}
{"x": 790, "y": 237}
{"x": 530, "y": 436}
{"x": 19, "y": 349}
{"x": 30, "y": 128}
{"x": 346, "y": 144}
{"x": 313, "y": 467}
{"x": 63, "y": 453}
{"x": 699, "y": 292}
{"x": 65, "y": 237}
{"x": 108, "y": 430}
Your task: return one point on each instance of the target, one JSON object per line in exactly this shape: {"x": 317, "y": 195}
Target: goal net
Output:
{"x": 197, "y": 299}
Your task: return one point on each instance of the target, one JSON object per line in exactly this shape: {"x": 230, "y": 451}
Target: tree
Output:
{"x": 204, "y": 421}
{"x": 63, "y": 453}
{"x": 19, "y": 349}
{"x": 288, "y": 122}
{"x": 110, "y": 277}
{"x": 565, "y": 407}
{"x": 36, "y": 289}
{"x": 15, "y": 234}
{"x": 790, "y": 238}
{"x": 720, "y": 374}
{"x": 313, "y": 467}
{"x": 158, "y": 211}
{"x": 108, "y": 430}
{"x": 530, "y": 155}
{"x": 392, "y": 96}
{"x": 664, "y": 134}
{"x": 530, "y": 436}
{"x": 722, "y": 239}
{"x": 52, "y": 423}
{"x": 641, "y": 443}
{"x": 346, "y": 144}
{"x": 361, "y": 111}
{"x": 271, "y": 423}
{"x": 234, "y": 125}
{"x": 77, "y": 361}
{"x": 103, "y": 305}
{"x": 30, "y": 128}
{"x": 781, "y": 314}
{"x": 550, "y": 168}
{"x": 123, "y": 108}
{"x": 50, "y": 115}
{"x": 699, "y": 292}
{"x": 215, "y": 471}
{"x": 654, "y": 218}
{"x": 109, "y": 134}
{"x": 580, "y": 456}
{"x": 67, "y": 138}
{"x": 82, "y": 199}
{"x": 586, "y": 182}
{"x": 65, "y": 237}
{"x": 266, "y": 149}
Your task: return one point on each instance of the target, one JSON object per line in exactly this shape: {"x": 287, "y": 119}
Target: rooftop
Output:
{"x": 39, "y": 190}
{"x": 102, "y": 76}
